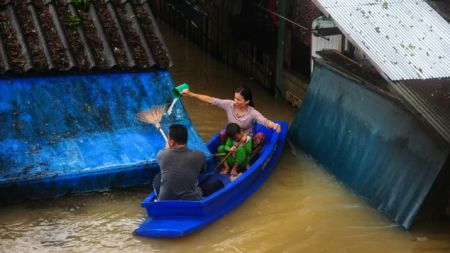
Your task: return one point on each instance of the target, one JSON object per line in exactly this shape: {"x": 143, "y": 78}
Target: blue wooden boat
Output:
{"x": 176, "y": 218}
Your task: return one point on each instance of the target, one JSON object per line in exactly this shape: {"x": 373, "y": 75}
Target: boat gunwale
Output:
{"x": 258, "y": 165}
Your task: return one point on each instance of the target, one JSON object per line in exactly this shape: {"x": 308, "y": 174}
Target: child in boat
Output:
{"x": 240, "y": 146}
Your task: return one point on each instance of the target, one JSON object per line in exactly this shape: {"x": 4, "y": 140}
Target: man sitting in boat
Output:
{"x": 180, "y": 168}
{"x": 239, "y": 144}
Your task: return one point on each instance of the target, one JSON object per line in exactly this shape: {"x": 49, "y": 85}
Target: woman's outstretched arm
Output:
{"x": 267, "y": 122}
{"x": 201, "y": 97}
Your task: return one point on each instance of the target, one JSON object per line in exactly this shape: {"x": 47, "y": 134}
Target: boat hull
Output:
{"x": 179, "y": 218}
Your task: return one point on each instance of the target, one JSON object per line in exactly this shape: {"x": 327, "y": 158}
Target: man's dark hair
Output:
{"x": 178, "y": 133}
{"x": 232, "y": 130}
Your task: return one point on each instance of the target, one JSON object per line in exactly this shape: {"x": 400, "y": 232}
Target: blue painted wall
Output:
{"x": 56, "y": 131}
{"x": 369, "y": 141}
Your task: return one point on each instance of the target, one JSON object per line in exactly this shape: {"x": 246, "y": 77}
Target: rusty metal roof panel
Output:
{"x": 404, "y": 39}
{"x": 46, "y": 36}
{"x": 430, "y": 99}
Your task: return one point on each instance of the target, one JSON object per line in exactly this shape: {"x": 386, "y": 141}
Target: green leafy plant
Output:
{"x": 81, "y": 3}
{"x": 74, "y": 21}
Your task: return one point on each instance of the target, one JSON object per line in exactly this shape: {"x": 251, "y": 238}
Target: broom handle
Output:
{"x": 161, "y": 131}
{"x": 163, "y": 134}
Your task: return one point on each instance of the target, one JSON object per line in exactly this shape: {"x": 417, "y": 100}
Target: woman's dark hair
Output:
{"x": 178, "y": 133}
{"x": 232, "y": 130}
{"x": 246, "y": 93}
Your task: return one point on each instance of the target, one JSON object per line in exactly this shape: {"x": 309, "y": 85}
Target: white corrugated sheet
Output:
{"x": 319, "y": 43}
{"x": 405, "y": 39}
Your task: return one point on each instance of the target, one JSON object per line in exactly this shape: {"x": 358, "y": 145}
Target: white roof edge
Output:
{"x": 398, "y": 73}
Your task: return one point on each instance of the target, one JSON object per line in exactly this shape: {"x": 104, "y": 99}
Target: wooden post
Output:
{"x": 282, "y": 10}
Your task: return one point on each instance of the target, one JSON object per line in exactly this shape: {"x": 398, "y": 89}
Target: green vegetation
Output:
{"x": 74, "y": 21}
{"x": 81, "y": 3}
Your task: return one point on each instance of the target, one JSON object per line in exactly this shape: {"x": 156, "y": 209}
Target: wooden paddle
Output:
{"x": 153, "y": 116}
{"x": 227, "y": 155}
{"x": 223, "y": 160}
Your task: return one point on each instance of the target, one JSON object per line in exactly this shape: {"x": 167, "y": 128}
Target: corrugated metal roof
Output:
{"x": 430, "y": 99}
{"x": 42, "y": 36}
{"x": 405, "y": 39}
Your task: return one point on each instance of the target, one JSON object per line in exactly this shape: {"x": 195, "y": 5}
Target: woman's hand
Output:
{"x": 232, "y": 149}
{"x": 186, "y": 93}
{"x": 275, "y": 126}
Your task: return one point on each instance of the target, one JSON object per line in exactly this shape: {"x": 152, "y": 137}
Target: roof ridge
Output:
{"x": 64, "y": 37}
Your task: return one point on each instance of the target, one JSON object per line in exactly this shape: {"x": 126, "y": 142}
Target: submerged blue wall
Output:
{"x": 62, "y": 134}
{"x": 369, "y": 141}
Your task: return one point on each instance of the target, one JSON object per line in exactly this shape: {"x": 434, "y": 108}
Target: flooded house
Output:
{"x": 73, "y": 76}
{"x": 377, "y": 108}
{"x": 371, "y": 82}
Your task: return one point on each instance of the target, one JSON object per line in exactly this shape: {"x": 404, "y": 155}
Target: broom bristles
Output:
{"x": 153, "y": 115}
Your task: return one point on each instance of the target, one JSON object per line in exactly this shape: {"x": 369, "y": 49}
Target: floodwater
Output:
{"x": 301, "y": 207}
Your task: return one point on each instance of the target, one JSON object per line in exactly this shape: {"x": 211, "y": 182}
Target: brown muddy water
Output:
{"x": 301, "y": 207}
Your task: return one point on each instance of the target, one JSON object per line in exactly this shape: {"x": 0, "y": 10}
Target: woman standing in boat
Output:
{"x": 241, "y": 110}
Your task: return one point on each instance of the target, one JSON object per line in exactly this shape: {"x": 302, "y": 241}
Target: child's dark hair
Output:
{"x": 232, "y": 129}
{"x": 178, "y": 133}
{"x": 246, "y": 93}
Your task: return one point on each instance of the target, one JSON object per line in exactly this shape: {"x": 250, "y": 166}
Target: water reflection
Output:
{"x": 301, "y": 208}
